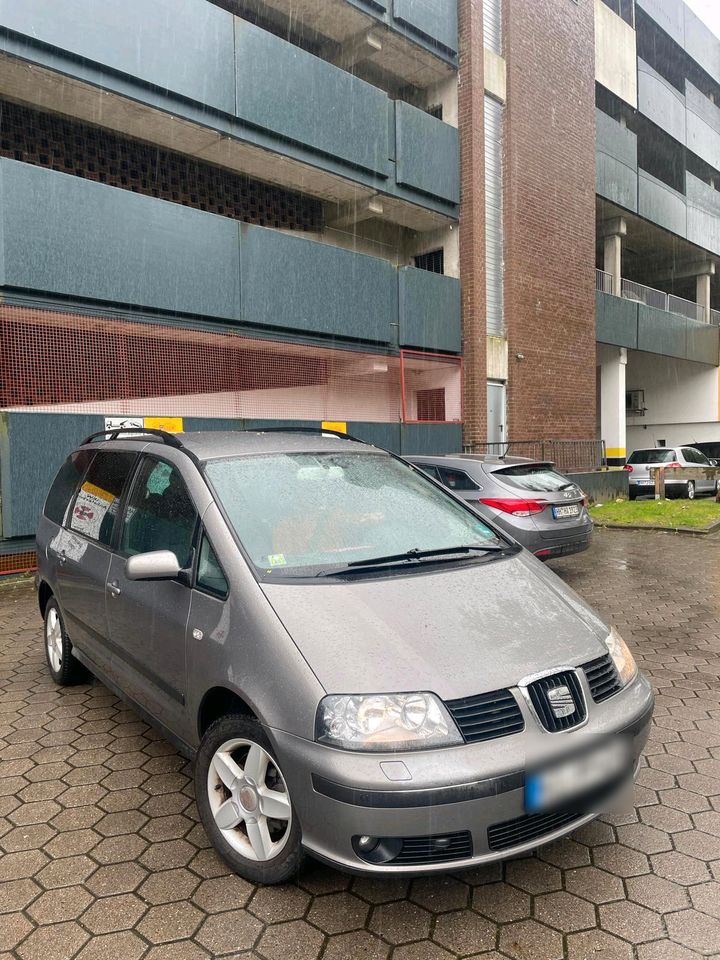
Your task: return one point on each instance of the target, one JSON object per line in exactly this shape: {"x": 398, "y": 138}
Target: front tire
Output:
{"x": 244, "y": 802}
{"x": 690, "y": 490}
{"x": 64, "y": 668}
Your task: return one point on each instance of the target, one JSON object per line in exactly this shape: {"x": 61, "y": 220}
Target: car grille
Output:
{"x": 539, "y": 691}
{"x": 434, "y": 849}
{"x": 487, "y": 715}
{"x": 513, "y": 833}
{"x": 602, "y": 678}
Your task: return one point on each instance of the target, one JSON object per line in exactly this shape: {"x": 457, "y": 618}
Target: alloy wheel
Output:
{"x": 54, "y": 639}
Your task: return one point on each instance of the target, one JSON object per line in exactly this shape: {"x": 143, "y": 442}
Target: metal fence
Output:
{"x": 604, "y": 281}
{"x": 686, "y": 308}
{"x": 647, "y": 295}
{"x": 567, "y": 455}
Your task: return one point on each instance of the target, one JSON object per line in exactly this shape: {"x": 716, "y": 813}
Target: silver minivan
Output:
{"x": 362, "y": 668}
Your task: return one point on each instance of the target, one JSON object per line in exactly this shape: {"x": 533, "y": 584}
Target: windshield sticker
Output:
{"x": 277, "y": 559}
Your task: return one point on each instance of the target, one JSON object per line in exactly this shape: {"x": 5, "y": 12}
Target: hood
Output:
{"x": 456, "y": 632}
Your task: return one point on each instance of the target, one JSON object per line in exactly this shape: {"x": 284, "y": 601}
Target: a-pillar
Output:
{"x": 613, "y": 231}
{"x": 612, "y": 404}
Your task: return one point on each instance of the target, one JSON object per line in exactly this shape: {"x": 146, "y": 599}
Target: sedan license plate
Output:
{"x": 566, "y": 510}
{"x": 578, "y": 775}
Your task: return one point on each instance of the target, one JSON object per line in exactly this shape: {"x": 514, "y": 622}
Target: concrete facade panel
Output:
{"x": 701, "y": 43}
{"x": 703, "y": 214}
{"x": 661, "y": 204}
{"x": 662, "y": 332}
{"x": 429, "y": 310}
{"x": 615, "y": 54}
{"x": 194, "y": 60}
{"x": 73, "y": 237}
{"x": 426, "y": 153}
{"x": 660, "y": 102}
{"x": 616, "y": 182}
{"x": 617, "y": 320}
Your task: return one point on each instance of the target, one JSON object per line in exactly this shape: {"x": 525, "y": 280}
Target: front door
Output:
{"x": 496, "y": 416}
{"x": 83, "y": 552}
{"x": 148, "y": 618}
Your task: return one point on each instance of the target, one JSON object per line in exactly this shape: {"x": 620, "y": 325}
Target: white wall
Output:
{"x": 681, "y": 399}
{"x": 615, "y": 54}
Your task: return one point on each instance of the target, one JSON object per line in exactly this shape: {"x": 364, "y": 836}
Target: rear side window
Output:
{"x": 429, "y": 470}
{"x": 97, "y": 502}
{"x": 65, "y": 484}
{"x": 456, "y": 479}
{"x": 160, "y": 514}
{"x": 694, "y": 456}
{"x": 210, "y": 576}
{"x": 652, "y": 456}
{"x": 537, "y": 477}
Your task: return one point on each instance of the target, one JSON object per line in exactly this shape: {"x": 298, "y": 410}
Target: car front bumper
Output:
{"x": 457, "y": 791}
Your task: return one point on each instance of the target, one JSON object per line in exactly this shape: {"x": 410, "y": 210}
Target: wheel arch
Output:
{"x": 218, "y": 702}
{"x": 45, "y": 592}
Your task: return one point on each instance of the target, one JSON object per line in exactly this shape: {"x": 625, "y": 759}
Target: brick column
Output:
{"x": 471, "y": 91}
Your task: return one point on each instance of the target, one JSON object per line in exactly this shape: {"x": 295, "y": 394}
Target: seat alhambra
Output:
{"x": 362, "y": 667}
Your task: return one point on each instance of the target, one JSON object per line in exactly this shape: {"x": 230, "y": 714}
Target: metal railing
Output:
{"x": 630, "y": 290}
{"x": 567, "y": 455}
{"x": 604, "y": 281}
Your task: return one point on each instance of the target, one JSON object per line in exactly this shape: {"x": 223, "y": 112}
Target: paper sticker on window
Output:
{"x": 276, "y": 559}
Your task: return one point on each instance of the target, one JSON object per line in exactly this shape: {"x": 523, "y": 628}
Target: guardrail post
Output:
{"x": 660, "y": 483}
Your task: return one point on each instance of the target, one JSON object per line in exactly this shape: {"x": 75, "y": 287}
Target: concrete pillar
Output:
{"x": 612, "y": 405}
{"x": 614, "y": 231}
{"x": 703, "y": 293}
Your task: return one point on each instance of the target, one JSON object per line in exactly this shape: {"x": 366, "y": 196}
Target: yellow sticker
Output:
{"x": 98, "y": 492}
{"x": 169, "y": 424}
{"x": 337, "y": 425}
{"x": 276, "y": 559}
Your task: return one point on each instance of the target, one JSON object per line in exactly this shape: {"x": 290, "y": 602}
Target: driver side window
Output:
{"x": 160, "y": 514}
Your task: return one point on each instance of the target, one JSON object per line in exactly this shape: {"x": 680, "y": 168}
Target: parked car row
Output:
{"x": 641, "y": 462}
{"x": 362, "y": 660}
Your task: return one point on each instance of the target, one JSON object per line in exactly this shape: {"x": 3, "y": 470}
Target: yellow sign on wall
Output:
{"x": 336, "y": 425}
{"x": 170, "y": 424}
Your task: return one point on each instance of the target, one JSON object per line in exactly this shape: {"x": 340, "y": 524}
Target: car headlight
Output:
{"x": 622, "y": 658}
{"x": 385, "y": 722}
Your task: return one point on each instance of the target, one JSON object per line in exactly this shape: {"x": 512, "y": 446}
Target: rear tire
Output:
{"x": 262, "y": 847}
{"x": 64, "y": 668}
{"x": 632, "y": 494}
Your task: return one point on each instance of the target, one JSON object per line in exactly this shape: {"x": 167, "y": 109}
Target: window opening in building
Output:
{"x": 431, "y": 404}
{"x": 433, "y": 261}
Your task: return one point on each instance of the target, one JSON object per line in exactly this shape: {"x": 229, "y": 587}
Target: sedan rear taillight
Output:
{"x": 674, "y": 465}
{"x": 518, "y": 508}
{"x": 628, "y": 468}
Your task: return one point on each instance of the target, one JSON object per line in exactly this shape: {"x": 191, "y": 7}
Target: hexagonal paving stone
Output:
{"x": 353, "y": 946}
{"x": 295, "y": 939}
{"x": 533, "y": 875}
{"x": 706, "y": 898}
{"x": 565, "y": 853}
{"x": 381, "y": 889}
{"x": 234, "y": 930}
{"x": 222, "y": 893}
{"x": 119, "y": 849}
{"x": 501, "y": 902}
{"x": 54, "y": 906}
{"x": 17, "y": 894}
{"x": 112, "y": 914}
{"x": 631, "y": 921}
{"x": 182, "y": 950}
{"x": 666, "y": 818}
{"x": 657, "y": 893}
{"x": 60, "y": 941}
{"x": 594, "y": 884}
{"x": 338, "y": 912}
{"x": 527, "y": 938}
{"x": 14, "y": 927}
{"x": 169, "y": 885}
{"x": 66, "y": 872}
{"x": 26, "y": 838}
{"x": 116, "y": 878}
{"x": 597, "y": 945}
{"x": 126, "y": 945}
{"x": 400, "y": 922}
{"x": 564, "y": 911}
{"x": 170, "y": 921}
{"x": 168, "y": 854}
{"x": 679, "y": 867}
{"x": 72, "y": 843}
{"x": 642, "y": 837}
{"x": 271, "y": 904}
{"x": 464, "y": 932}
{"x": 695, "y": 930}
{"x": 439, "y": 894}
{"x": 665, "y": 950}
{"x": 621, "y": 860}
{"x": 696, "y": 843}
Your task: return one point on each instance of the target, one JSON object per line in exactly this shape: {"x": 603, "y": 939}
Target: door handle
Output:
{"x": 62, "y": 557}
{"x": 114, "y": 589}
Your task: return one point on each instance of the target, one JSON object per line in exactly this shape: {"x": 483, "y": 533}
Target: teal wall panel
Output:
{"x": 430, "y": 438}
{"x": 309, "y": 101}
{"x": 616, "y": 320}
{"x": 303, "y": 285}
{"x": 32, "y": 447}
{"x": 616, "y": 161}
{"x": 69, "y": 236}
{"x": 661, "y": 204}
{"x": 429, "y": 310}
{"x": 427, "y": 153}
{"x": 436, "y": 19}
{"x": 703, "y": 342}
{"x": 662, "y": 332}
{"x": 194, "y": 59}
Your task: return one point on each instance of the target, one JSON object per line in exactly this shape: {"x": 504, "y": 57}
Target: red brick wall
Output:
{"x": 471, "y": 92}
{"x": 550, "y": 218}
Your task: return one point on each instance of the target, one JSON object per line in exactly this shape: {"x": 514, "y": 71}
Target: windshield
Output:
{"x": 534, "y": 476}
{"x": 652, "y": 456}
{"x": 298, "y": 514}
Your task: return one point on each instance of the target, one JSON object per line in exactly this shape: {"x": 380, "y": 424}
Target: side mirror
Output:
{"x": 713, "y": 463}
{"x": 158, "y": 565}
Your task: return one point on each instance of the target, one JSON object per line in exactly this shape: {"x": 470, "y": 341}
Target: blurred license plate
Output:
{"x": 566, "y": 510}
{"x": 580, "y": 774}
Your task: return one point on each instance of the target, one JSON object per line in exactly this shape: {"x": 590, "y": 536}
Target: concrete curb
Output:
{"x": 693, "y": 531}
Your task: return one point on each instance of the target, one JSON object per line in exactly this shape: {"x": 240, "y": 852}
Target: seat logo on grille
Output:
{"x": 561, "y": 701}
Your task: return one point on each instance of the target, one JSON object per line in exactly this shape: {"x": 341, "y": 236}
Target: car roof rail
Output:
{"x": 312, "y": 430}
{"x": 112, "y": 434}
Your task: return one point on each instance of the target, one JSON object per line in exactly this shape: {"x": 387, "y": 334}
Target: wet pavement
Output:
{"x": 102, "y": 855}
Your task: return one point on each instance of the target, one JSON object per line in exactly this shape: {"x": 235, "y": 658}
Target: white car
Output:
{"x": 640, "y": 462}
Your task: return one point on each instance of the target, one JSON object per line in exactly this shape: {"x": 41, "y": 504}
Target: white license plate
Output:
{"x": 578, "y": 775}
{"x": 645, "y": 483}
{"x": 566, "y": 510}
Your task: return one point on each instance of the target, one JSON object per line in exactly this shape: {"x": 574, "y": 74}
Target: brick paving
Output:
{"x": 102, "y": 855}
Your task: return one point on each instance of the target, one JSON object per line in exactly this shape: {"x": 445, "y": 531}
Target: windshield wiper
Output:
{"x": 416, "y": 554}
